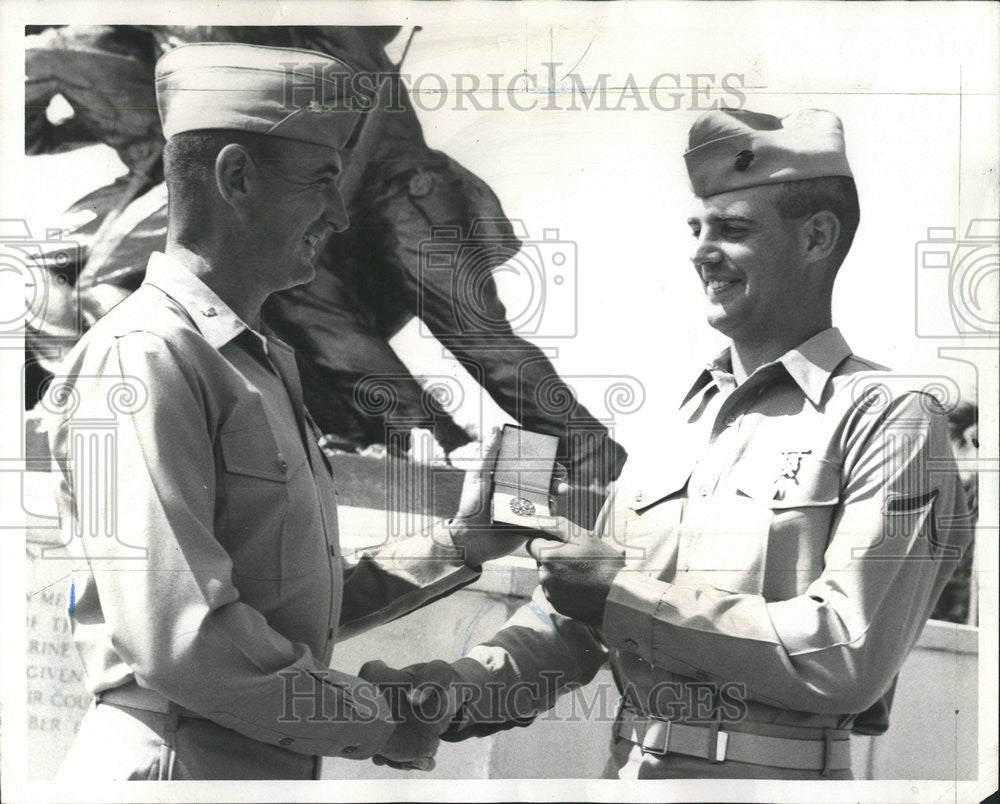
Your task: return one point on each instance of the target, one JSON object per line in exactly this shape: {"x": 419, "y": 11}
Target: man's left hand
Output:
{"x": 576, "y": 576}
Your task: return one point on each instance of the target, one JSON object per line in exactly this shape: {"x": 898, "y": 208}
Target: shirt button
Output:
{"x": 703, "y": 491}
{"x": 283, "y": 465}
{"x": 349, "y": 749}
{"x": 638, "y": 496}
{"x": 285, "y": 741}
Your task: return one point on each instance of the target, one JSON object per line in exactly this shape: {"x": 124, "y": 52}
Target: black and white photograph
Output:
{"x": 480, "y": 401}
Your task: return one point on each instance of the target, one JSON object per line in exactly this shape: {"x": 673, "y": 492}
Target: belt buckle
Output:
{"x": 656, "y": 739}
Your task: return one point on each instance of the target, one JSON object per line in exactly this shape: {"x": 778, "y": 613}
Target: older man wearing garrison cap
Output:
{"x": 763, "y": 571}
{"x": 207, "y": 612}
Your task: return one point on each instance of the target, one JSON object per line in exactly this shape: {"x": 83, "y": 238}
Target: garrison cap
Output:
{"x": 296, "y": 94}
{"x": 729, "y": 149}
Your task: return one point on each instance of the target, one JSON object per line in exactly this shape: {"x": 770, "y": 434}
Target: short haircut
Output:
{"x": 797, "y": 200}
{"x": 189, "y": 157}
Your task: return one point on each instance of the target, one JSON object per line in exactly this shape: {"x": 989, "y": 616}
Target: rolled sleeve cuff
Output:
{"x": 364, "y": 735}
{"x": 630, "y": 612}
{"x": 368, "y": 740}
{"x": 350, "y": 720}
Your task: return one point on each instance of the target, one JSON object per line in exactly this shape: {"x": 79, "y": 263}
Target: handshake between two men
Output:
{"x": 575, "y": 570}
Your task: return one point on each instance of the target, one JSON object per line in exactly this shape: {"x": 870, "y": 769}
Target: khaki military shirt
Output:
{"x": 785, "y": 539}
{"x": 192, "y": 483}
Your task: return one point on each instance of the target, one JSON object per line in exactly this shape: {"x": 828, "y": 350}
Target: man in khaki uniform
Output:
{"x": 216, "y": 588}
{"x": 765, "y": 568}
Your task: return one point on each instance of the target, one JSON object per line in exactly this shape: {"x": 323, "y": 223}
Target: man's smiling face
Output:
{"x": 749, "y": 259}
{"x": 299, "y": 205}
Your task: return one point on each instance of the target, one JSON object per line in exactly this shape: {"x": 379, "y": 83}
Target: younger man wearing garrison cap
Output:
{"x": 210, "y": 605}
{"x": 762, "y": 573}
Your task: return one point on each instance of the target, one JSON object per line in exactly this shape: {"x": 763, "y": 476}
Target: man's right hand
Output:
{"x": 424, "y": 699}
{"x": 411, "y": 746}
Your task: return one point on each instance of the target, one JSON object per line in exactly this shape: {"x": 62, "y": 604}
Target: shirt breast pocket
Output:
{"x": 786, "y": 519}
{"x": 655, "y": 505}
{"x": 255, "y": 501}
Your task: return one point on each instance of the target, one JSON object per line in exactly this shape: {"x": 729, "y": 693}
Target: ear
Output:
{"x": 236, "y": 175}
{"x": 820, "y": 235}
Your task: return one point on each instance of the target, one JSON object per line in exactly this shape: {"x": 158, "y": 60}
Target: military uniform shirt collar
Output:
{"x": 810, "y": 365}
{"x": 716, "y": 371}
{"x": 211, "y": 315}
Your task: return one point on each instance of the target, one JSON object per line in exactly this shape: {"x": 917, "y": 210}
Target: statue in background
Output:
{"x": 370, "y": 282}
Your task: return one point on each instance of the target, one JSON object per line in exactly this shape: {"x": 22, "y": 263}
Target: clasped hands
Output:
{"x": 576, "y": 572}
{"x": 576, "y": 576}
{"x": 424, "y": 699}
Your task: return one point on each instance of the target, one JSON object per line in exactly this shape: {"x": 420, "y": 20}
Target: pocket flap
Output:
{"x": 795, "y": 480}
{"x": 657, "y": 483}
{"x": 253, "y": 452}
